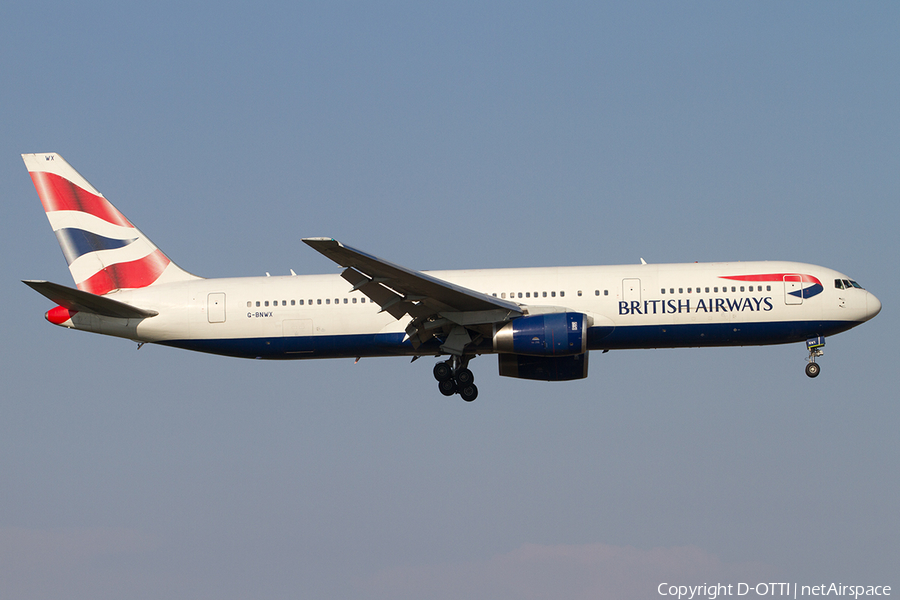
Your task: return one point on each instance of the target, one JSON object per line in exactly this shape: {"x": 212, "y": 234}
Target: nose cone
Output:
{"x": 873, "y": 306}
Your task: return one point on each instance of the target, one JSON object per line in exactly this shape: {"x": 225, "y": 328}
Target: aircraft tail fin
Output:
{"x": 104, "y": 250}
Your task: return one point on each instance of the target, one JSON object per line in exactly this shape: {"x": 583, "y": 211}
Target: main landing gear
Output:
{"x": 454, "y": 377}
{"x": 814, "y": 345}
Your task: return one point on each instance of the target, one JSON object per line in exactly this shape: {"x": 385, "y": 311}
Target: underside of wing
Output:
{"x": 437, "y": 307}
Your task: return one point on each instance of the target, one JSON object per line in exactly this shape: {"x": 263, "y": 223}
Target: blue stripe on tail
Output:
{"x": 78, "y": 242}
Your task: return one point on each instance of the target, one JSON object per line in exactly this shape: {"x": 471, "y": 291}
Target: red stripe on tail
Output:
{"x": 135, "y": 274}
{"x": 58, "y": 193}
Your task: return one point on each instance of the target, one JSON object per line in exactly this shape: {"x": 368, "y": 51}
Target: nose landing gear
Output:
{"x": 814, "y": 345}
{"x": 454, "y": 377}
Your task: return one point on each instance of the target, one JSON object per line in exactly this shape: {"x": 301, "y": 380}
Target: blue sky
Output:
{"x": 439, "y": 137}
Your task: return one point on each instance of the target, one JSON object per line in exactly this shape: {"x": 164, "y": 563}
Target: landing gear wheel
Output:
{"x": 468, "y": 392}
{"x": 464, "y": 377}
{"x": 447, "y": 387}
{"x": 442, "y": 371}
{"x": 812, "y": 369}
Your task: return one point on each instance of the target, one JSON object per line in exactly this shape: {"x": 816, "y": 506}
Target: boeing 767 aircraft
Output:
{"x": 541, "y": 323}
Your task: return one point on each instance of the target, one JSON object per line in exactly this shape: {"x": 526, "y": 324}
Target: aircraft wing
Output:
{"x": 78, "y": 300}
{"x": 400, "y": 291}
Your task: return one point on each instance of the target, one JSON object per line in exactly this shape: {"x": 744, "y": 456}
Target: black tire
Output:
{"x": 442, "y": 371}
{"x": 812, "y": 369}
{"x": 447, "y": 387}
{"x": 468, "y": 392}
{"x": 464, "y": 377}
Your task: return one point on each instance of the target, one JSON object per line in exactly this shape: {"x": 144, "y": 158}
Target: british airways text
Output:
{"x": 667, "y": 307}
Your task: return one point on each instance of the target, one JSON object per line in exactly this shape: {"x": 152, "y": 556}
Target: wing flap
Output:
{"x": 77, "y": 300}
{"x": 419, "y": 294}
{"x": 390, "y": 301}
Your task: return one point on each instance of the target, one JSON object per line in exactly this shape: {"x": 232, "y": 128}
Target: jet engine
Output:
{"x": 552, "y": 334}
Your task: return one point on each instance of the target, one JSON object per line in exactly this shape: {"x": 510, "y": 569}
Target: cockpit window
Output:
{"x": 846, "y": 284}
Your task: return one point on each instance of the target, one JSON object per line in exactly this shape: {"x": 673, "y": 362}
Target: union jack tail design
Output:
{"x": 104, "y": 250}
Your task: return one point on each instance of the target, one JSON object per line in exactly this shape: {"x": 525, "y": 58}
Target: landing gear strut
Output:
{"x": 454, "y": 377}
{"x": 814, "y": 345}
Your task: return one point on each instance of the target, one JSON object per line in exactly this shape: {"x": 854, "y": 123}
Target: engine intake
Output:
{"x": 553, "y": 334}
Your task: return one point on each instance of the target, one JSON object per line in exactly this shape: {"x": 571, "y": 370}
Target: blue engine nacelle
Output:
{"x": 544, "y": 368}
{"x": 553, "y": 334}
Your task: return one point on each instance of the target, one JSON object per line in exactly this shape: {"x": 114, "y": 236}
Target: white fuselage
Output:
{"x": 630, "y": 306}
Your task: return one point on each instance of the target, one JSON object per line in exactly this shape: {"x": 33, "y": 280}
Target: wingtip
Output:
{"x": 320, "y": 241}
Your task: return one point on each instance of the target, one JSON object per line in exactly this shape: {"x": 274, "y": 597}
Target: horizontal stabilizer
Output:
{"x": 77, "y": 300}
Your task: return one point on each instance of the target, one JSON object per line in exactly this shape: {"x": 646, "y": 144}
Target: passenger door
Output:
{"x": 793, "y": 289}
{"x": 215, "y": 307}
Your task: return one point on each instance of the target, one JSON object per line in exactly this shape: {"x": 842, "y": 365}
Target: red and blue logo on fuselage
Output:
{"x": 807, "y": 285}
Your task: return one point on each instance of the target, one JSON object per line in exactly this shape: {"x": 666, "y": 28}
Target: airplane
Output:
{"x": 542, "y": 323}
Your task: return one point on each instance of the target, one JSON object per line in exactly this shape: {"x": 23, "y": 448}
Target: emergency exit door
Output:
{"x": 631, "y": 290}
{"x": 215, "y": 307}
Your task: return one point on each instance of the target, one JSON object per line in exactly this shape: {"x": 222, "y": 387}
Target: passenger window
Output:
{"x": 354, "y": 300}
{"x": 689, "y": 290}
{"x": 327, "y": 300}
{"x": 553, "y": 294}
{"x": 707, "y": 290}
{"x": 742, "y": 288}
{"x": 503, "y": 295}
{"x": 671, "y": 290}
{"x": 606, "y": 292}
{"x": 680, "y": 290}
{"x": 545, "y": 294}
{"x": 293, "y": 302}
{"x": 596, "y": 292}
{"x": 257, "y": 303}
{"x": 345, "y": 301}
{"x": 362, "y": 300}
{"x": 528, "y": 294}
{"x": 267, "y": 302}
{"x": 301, "y": 301}
{"x": 284, "y": 302}
{"x": 768, "y": 288}
{"x": 318, "y": 301}
{"x": 562, "y": 294}
{"x": 579, "y": 293}
{"x": 249, "y": 304}
{"x": 520, "y": 294}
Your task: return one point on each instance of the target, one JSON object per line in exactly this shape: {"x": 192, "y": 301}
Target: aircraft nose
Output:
{"x": 873, "y": 305}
